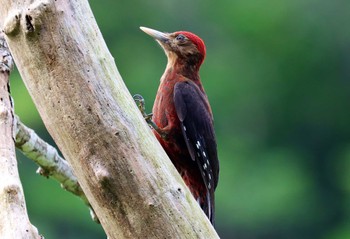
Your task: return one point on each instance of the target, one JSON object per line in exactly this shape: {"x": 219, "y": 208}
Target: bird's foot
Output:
{"x": 140, "y": 102}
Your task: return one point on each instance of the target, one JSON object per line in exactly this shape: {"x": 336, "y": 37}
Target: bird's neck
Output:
{"x": 184, "y": 67}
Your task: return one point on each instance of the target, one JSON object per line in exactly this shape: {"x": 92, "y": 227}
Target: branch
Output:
{"x": 14, "y": 221}
{"x": 51, "y": 164}
{"x": 125, "y": 174}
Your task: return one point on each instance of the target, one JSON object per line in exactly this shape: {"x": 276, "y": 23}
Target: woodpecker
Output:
{"x": 182, "y": 118}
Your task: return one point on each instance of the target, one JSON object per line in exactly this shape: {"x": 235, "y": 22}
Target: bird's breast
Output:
{"x": 164, "y": 112}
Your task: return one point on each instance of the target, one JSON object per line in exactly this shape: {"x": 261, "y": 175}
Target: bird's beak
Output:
{"x": 160, "y": 36}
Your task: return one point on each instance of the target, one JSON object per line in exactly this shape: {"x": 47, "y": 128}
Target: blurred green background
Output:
{"x": 277, "y": 74}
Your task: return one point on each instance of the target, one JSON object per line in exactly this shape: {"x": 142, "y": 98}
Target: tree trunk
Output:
{"x": 14, "y": 222}
{"x": 130, "y": 182}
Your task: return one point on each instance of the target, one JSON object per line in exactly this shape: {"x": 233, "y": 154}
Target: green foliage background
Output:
{"x": 278, "y": 77}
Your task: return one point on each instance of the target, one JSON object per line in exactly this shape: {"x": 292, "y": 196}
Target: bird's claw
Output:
{"x": 140, "y": 102}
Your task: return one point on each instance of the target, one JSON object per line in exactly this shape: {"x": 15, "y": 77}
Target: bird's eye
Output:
{"x": 180, "y": 37}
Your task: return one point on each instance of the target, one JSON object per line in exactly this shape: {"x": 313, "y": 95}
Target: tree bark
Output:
{"x": 128, "y": 179}
{"x": 14, "y": 222}
{"x": 49, "y": 161}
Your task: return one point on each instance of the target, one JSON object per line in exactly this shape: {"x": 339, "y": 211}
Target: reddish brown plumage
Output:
{"x": 165, "y": 117}
{"x": 182, "y": 112}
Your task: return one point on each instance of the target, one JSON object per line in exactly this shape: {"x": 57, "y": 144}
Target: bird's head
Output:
{"x": 180, "y": 46}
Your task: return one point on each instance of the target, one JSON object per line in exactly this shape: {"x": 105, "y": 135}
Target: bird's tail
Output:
{"x": 208, "y": 205}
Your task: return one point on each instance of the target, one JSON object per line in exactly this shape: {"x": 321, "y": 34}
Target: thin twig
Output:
{"x": 51, "y": 164}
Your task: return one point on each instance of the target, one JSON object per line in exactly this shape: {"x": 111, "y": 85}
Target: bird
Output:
{"x": 182, "y": 118}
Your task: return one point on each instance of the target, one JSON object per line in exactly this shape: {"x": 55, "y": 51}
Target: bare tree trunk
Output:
{"x": 127, "y": 177}
{"x": 14, "y": 222}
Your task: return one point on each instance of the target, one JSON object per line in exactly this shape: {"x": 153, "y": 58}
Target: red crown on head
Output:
{"x": 196, "y": 40}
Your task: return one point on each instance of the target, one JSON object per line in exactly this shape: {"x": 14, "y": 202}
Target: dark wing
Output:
{"x": 196, "y": 120}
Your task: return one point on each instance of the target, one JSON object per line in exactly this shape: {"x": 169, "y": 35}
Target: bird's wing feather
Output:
{"x": 197, "y": 128}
